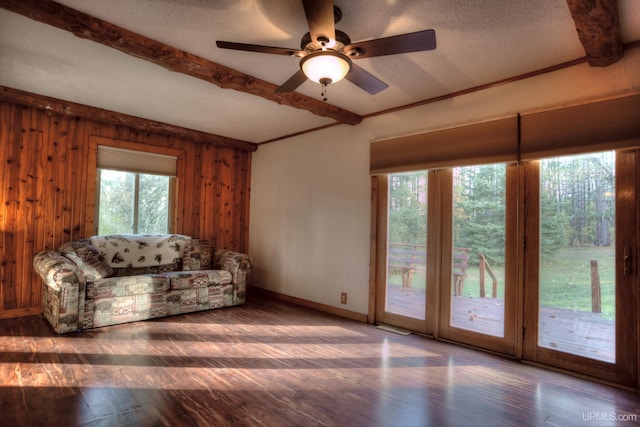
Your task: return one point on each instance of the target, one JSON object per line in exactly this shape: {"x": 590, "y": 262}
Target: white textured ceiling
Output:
{"x": 478, "y": 42}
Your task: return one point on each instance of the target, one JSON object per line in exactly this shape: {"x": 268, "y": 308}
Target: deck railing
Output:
{"x": 484, "y": 267}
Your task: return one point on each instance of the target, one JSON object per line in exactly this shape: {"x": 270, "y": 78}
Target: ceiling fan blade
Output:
{"x": 292, "y": 84}
{"x": 403, "y": 43}
{"x": 259, "y": 48}
{"x": 365, "y": 80}
{"x": 321, "y": 20}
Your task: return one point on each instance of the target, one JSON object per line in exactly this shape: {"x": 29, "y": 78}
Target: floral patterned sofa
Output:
{"x": 106, "y": 280}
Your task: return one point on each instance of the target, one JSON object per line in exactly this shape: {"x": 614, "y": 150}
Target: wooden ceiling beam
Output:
{"x": 72, "y": 109}
{"x": 99, "y": 31}
{"x": 598, "y": 30}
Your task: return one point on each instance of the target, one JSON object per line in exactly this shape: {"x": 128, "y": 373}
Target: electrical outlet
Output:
{"x": 343, "y": 298}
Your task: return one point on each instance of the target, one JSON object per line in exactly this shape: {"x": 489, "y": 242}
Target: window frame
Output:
{"x": 92, "y": 190}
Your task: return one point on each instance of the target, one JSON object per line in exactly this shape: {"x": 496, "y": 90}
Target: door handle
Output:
{"x": 626, "y": 262}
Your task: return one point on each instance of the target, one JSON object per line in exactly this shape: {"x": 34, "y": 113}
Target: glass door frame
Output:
{"x": 625, "y": 370}
{"x": 438, "y": 273}
{"x": 506, "y": 344}
{"x": 380, "y": 202}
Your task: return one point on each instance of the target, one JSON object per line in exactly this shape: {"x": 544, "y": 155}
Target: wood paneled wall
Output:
{"x": 47, "y": 197}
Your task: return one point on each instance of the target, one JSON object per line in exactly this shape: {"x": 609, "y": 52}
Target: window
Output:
{"x": 135, "y": 191}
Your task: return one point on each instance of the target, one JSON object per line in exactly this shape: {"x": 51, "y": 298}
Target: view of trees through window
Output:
{"x": 133, "y": 203}
{"x": 479, "y": 212}
{"x": 408, "y": 208}
{"x": 577, "y": 200}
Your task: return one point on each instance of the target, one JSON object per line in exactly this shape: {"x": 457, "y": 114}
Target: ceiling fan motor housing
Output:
{"x": 309, "y": 45}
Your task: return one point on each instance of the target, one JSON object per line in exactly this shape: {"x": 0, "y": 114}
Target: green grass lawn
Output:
{"x": 565, "y": 279}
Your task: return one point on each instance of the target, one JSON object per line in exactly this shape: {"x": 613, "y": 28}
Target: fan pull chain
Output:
{"x": 324, "y": 92}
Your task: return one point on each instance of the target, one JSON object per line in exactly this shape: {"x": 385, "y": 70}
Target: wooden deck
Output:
{"x": 577, "y": 332}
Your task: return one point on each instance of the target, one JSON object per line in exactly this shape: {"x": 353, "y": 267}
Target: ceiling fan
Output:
{"x": 326, "y": 53}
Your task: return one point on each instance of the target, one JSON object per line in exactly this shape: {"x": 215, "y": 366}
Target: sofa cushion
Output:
{"x": 112, "y": 311}
{"x": 127, "y": 285}
{"x": 88, "y": 258}
{"x": 198, "y": 279}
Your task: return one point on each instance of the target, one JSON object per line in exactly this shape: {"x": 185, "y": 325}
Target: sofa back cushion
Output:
{"x": 197, "y": 255}
{"x": 141, "y": 250}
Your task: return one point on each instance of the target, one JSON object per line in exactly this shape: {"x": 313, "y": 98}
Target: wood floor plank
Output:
{"x": 270, "y": 363}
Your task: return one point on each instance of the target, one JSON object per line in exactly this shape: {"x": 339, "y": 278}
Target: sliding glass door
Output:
{"x": 448, "y": 263}
{"x": 536, "y": 260}
{"x": 479, "y": 274}
{"x": 403, "y": 289}
{"x": 478, "y": 257}
{"x": 580, "y": 287}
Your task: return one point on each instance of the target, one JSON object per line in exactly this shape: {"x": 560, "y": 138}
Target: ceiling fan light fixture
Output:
{"x": 325, "y": 66}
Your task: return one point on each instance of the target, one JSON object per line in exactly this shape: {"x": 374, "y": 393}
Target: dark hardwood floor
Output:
{"x": 269, "y": 363}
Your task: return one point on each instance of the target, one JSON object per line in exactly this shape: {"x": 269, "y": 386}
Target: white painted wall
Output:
{"x": 310, "y": 195}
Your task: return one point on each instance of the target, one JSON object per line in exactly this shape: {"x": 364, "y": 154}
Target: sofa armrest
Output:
{"x": 237, "y": 263}
{"x": 63, "y": 293}
{"x": 57, "y": 271}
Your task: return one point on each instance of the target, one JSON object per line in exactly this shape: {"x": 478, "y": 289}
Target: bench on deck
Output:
{"x": 409, "y": 258}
